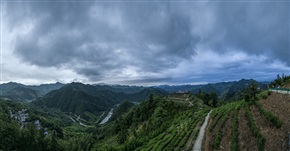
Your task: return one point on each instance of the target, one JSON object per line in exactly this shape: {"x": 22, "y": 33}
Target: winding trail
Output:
{"x": 199, "y": 139}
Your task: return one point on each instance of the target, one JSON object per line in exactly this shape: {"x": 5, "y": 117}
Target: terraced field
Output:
{"x": 172, "y": 123}
{"x": 181, "y": 135}
{"x": 260, "y": 125}
{"x": 184, "y": 129}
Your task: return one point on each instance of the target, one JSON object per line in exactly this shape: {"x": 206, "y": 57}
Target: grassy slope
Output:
{"x": 257, "y": 126}
{"x": 162, "y": 123}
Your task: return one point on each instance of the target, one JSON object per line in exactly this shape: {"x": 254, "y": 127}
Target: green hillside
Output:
{"x": 88, "y": 101}
{"x": 159, "y": 123}
{"x": 25, "y": 129}
{"x": 21, "y": 94}
{"x": 124, "y": 107}
{"x": 156, "y": 124}
{"x": 68, "y": 119}
{"x": 257, "y": 122}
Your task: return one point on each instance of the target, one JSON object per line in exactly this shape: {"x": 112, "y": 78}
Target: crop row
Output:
{"x": 224, "y": 110}
{"x": 218, "y": 138}
{"x": 234, "y": 131}
{"x": 260, "y": 138}
{"x": 184, "y": 127}
{"x": 221, "y": 115}
{"x": 270, "y": 116}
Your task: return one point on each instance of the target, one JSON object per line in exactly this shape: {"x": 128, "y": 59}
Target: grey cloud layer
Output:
{"x": 101, "y": 40}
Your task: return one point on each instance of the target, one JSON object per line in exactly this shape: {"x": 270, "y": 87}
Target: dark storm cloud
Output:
{"x": 148, "y": 35}
{"x": 256, "y": 28}
{"x": 99, "y": 40}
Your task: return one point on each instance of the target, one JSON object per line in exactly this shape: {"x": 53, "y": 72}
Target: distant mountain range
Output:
{"x": 23, "y": 93}
{"x": 226, "y": 91}
{"x": 81, "y": 98}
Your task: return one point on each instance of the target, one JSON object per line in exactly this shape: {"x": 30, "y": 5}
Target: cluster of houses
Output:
{"x": 21, "y": 117}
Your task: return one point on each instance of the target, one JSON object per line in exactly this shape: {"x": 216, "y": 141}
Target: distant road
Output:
{"x": 198, "y": 141}
{"x": 280, "y": 90}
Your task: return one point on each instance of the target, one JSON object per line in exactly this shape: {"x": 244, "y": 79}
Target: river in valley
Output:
{"x": 106, "y": 119}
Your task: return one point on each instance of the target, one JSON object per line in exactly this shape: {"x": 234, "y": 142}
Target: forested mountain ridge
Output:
{"x": 81, "y": 99}
{"x": 226, "y": 91}
{"x": 26, "y": 93}
{"x": 42, "y": 89}
{"x": 21, "y": 94}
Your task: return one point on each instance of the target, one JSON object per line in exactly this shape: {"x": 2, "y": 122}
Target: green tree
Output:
{"x": 214, "y": 99}
{"x": 122, "y": 137}
{"x": 250, "y": 93}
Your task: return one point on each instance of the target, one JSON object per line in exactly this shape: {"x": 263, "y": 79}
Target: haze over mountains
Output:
{"x": 19, "y": 92}
{"x": 87, "y": 100}
{"x": 82, "y": 99}
{"x": 26, "y": 93}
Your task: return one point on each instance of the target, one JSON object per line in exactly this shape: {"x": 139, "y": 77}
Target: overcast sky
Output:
{"x": 144, "y": 43}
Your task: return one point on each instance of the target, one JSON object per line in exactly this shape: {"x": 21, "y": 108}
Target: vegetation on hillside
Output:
{"x": 221, "y": 114}
{"x": 155, "y": 124}
{"x": 158, "y": 123}
{"x": 121, "y": 109}
{"x": 210, "y": 99}
{"x": 29, "y": 137}
{"x": 279, "y": 81}
{"x": 87, "y": 100}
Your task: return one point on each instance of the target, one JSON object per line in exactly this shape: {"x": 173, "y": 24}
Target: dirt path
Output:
{"x": 198, "y": 142}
